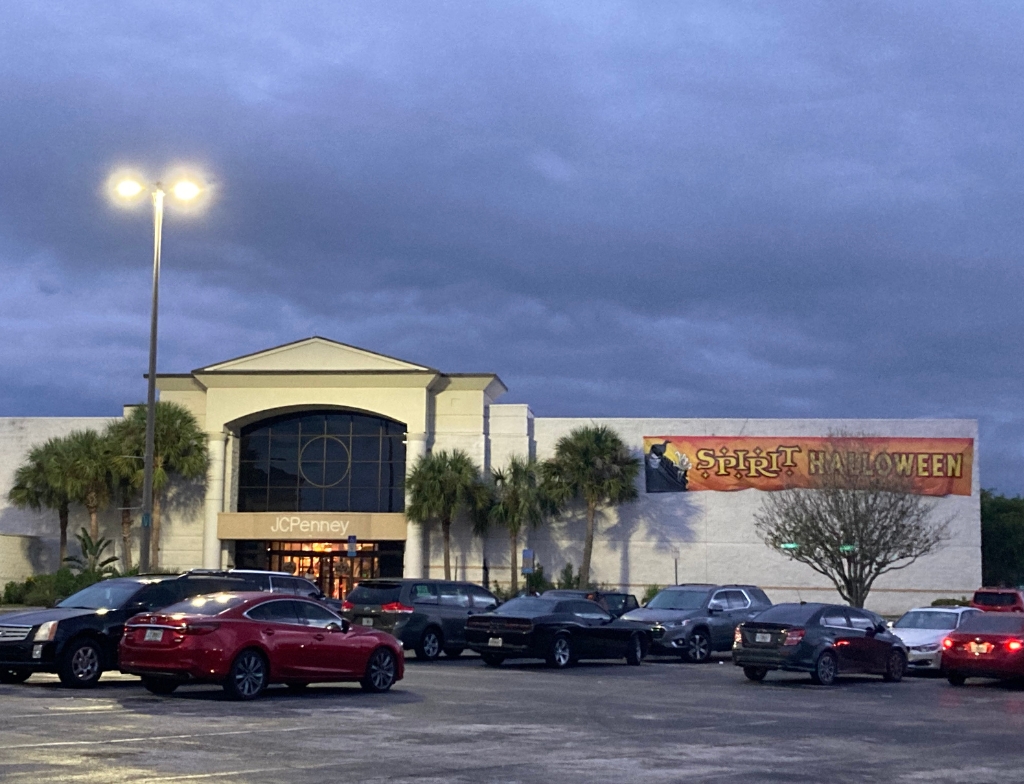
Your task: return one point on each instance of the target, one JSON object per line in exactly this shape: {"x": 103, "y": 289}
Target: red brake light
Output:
{"x": 794, "y": 636}
{"x": 201, "y": 628}
{"x": 347, "y": 605}
{"x": 397, "y": 607}
{"x": 1014, "y": 645}
{"x": 947, "y": 643}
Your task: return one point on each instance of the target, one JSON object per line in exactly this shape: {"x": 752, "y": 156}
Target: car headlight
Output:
{"x": 46, "y": 632}
{"x": 930, "y": 648}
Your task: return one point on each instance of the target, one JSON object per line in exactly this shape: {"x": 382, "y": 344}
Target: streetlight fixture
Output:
{"x": 127, "y": 187}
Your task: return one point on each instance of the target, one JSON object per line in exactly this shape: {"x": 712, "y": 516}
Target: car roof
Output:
{"x": 949, "y": 608}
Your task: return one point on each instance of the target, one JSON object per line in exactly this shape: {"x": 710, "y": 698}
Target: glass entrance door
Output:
{"x": 326, "y": 563}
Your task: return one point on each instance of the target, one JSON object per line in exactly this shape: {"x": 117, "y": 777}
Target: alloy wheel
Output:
{"x": 382, "y": 670}
{"x": 85, "y": 663}
{"x": 561, "y": 652}
{"x": 825, "y": 670}
{"x": 250, "y": 675}
{"x": 698, "y": 648}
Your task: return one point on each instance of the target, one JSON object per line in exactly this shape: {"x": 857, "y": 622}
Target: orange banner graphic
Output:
{"x": 932, "y": 466}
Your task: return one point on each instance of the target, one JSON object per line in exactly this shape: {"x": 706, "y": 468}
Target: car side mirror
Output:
{"x": 715, "y": 607}
{"x": 883, "y": 627}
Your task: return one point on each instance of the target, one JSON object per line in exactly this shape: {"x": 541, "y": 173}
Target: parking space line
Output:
{"x": 52, "y": 744}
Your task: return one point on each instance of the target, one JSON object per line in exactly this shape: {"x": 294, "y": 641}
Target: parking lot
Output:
{"x": 459, "y": 721}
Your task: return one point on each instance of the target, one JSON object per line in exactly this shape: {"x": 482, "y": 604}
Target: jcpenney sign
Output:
{"x": 292, "y": 524}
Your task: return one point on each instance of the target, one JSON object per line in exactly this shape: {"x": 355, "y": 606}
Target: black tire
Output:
{"x": 161, "y": 686}
{"x": 14, "y": 676}
{"x": 430, "y": 645}
{"x": 297, "y": 687}
{"x": 825, "y": 669}
{"x": 755, "y": 674}
{"x": 453, "y": 653}
{"x": 956, "y": 678}
{"x": 81, "y": 664}
{"x": 635, "y": 651}
{"x": 560, "y": 653}
{"x": 492, "y": 659}
{"x": 895, "y": 666}
{"x": 248, "y": 676}
{"x": 698, "y": 647}
{"x": 381, "y": 671}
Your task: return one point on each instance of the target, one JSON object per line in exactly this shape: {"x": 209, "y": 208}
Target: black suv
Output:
{"x": 696, "y": 619}
{"x": 428, "y": 616}
{"x": 614, "y": 603}
{"x": 78, "y": 638}
{"x": 275, "y": 582}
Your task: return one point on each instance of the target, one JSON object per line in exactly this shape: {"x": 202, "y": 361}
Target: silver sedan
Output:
{"x": 922, "y": 630}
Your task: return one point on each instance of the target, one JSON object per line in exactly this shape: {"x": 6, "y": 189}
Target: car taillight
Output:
{"x": 793, "y": 636}
{"x": 201, "y": 628}
{"x": 397, "y": 607}
{"x": 947, "y": 643}
{"x": 737, "y": 637}
{"x": 347, "y": 605}
{"x": 1014, "y": 645}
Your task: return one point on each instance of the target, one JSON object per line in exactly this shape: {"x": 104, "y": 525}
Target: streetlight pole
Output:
{"x": 147, "y": 473}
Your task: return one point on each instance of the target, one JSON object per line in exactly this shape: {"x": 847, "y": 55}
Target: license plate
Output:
{"x": 495, "y": 642}
{"x": 154, "y": 635}
{"x": 762, "y": 637}
{"x": 979, "y": 647}
{"x": 367, "y": 621}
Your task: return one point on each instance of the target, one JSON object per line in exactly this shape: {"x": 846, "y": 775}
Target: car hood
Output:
{"x": 647, "y": 615}
{"x": 921, "y": 636}
{"x": 36, "y": 617}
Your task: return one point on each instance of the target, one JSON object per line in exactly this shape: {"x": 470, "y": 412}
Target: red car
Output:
{"x": 998, "y": 600}
{"x": 246, "y": 641}
{"x": 988, "y": 645}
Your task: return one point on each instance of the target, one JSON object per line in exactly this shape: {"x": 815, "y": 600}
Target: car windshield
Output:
{"x": 375, "y": 593}
{"x": 676, "y": 599}
{"x": 527, "y": 607}
{"x": 105, "y": 595}
{"x": 923, "y": 619}
{"x": 995, "y": 599}
{"x": 993, "y": 623}
{"x": 788, "y": 613}
{"x": 212, "y": 604}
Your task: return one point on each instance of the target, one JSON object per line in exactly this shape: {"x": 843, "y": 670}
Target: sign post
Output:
{"x": 351, "y": 546}
{"x": 527, "y": 561}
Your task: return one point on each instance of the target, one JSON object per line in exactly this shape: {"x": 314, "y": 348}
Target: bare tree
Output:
{"x": 853, "y": 526}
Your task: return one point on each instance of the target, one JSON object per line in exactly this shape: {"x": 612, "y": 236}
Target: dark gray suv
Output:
{"x": 427, "y": 616}
{"x": 694, "y": 620}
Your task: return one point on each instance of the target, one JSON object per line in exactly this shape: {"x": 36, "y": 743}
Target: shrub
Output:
{"x": 963, "y": 601}
{"x": 45, "y": 590}
{"x": 650, "y": 593}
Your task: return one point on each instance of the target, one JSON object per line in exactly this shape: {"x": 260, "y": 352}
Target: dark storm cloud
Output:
{"x": 789, "y": 209}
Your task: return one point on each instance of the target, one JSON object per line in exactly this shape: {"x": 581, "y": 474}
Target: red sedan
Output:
{"x": 246, "y": 641}
{"x": 987, "y": 645}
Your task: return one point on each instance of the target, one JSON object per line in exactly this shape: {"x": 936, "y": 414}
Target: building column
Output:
{"x": 415, "y": 449}
{"x": 214, "y": 498}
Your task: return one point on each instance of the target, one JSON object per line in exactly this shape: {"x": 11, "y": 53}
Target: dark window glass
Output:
{"x": 834, "y": 616}
{"x": 679, "y": 599}
{"x": 424, "y": 593}
{"x": 736, "y": 600}
{"x": 995, "y": 599}
{"x": 994, "y": 623}
{"x": 275, "y": 612}
{"x": 153, "y": 597}
{"x": 862, "y": 621}
{"x": 322, "y": 461}
{"x": 788, "y": 613}
{"x": 482, "y": 599}
{"x": 375, "y": 593}
{"x": 205, "y": 605}
{"x": 530, "y": 607}
{"x": 315, "y": 615}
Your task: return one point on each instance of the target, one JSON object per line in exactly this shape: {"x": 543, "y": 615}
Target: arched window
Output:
{"x": 322, "y": 461}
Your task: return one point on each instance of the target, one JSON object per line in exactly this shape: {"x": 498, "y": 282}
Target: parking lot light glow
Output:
{"x": 128, "y": 189}
{"x": 186, "y": 190}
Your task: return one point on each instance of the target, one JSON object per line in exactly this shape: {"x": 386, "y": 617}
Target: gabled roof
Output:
{"x": 314, "y": 354}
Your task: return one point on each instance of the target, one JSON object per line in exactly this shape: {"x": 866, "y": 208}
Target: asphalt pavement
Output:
{"x": 460, "y": 721}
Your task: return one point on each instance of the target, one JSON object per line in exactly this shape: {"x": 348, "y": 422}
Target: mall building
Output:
{"x": 310, "y": 443}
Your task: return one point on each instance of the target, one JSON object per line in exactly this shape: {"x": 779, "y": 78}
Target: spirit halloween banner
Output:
{"x": 932, "y": 466}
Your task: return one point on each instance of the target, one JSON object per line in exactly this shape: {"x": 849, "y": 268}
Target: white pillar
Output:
{"x": 214, "y": 499}
{"x": 415, "y": 449}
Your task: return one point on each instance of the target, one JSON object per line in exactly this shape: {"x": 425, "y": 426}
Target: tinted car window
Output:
{"x": 259, "y": 582}
{"x": 789, "y": 613}
{"x": 927, "y": 620}
{"x": 315, "y": 615}
{"x": 995, "y": 599}
{"x": 108, "y": 594}
{"x": 275, "y": 612}
{"x": 481, "y": 599}
{"x": 863, "y": 621}
{"x": 375, "y": 593}
{"x": 676, "y": 599}
{"x": 758, "y": 596}
{"x": 589, "y": 611}
{"x": 424, "y": 593}
{"x": 154, "y": 597}
{"x": 736, "y": 600}
{"x": 994, "y": 623}
{"x": 616, "y": 603}
{"x": 449, "y": 594}
{"x": 529, "y": 607}
{"x": 196, "y": 586}
{"x": 834, "y": 616}
{"x": 204, "y": 605}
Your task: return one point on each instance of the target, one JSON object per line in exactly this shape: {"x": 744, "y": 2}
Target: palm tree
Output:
{"x": 88, "y": 473}
{"x": 520, "y": 498}
{"x": 40, "y": 482}
{"x": 92, "y": 559}
{"x": 127, "y": 478}
{"x": 179, "y": 448}
{"x": 440, "y": 484}
{"x": 594, "y": 465}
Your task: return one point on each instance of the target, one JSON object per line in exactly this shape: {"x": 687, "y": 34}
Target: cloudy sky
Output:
{"x": 786, "y": 209}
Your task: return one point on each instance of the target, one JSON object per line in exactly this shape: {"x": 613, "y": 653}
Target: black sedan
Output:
{"x": 560, "y": 631}
{"x": 78, "y": 638}
{"x": 821, "y": 639}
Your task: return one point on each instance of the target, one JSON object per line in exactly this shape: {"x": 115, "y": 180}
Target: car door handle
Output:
{"x": 269, "y": 632}
{"x": 318, "y": 636}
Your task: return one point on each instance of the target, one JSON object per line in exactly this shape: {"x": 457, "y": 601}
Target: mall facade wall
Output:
{"x": 310, "y": 442}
